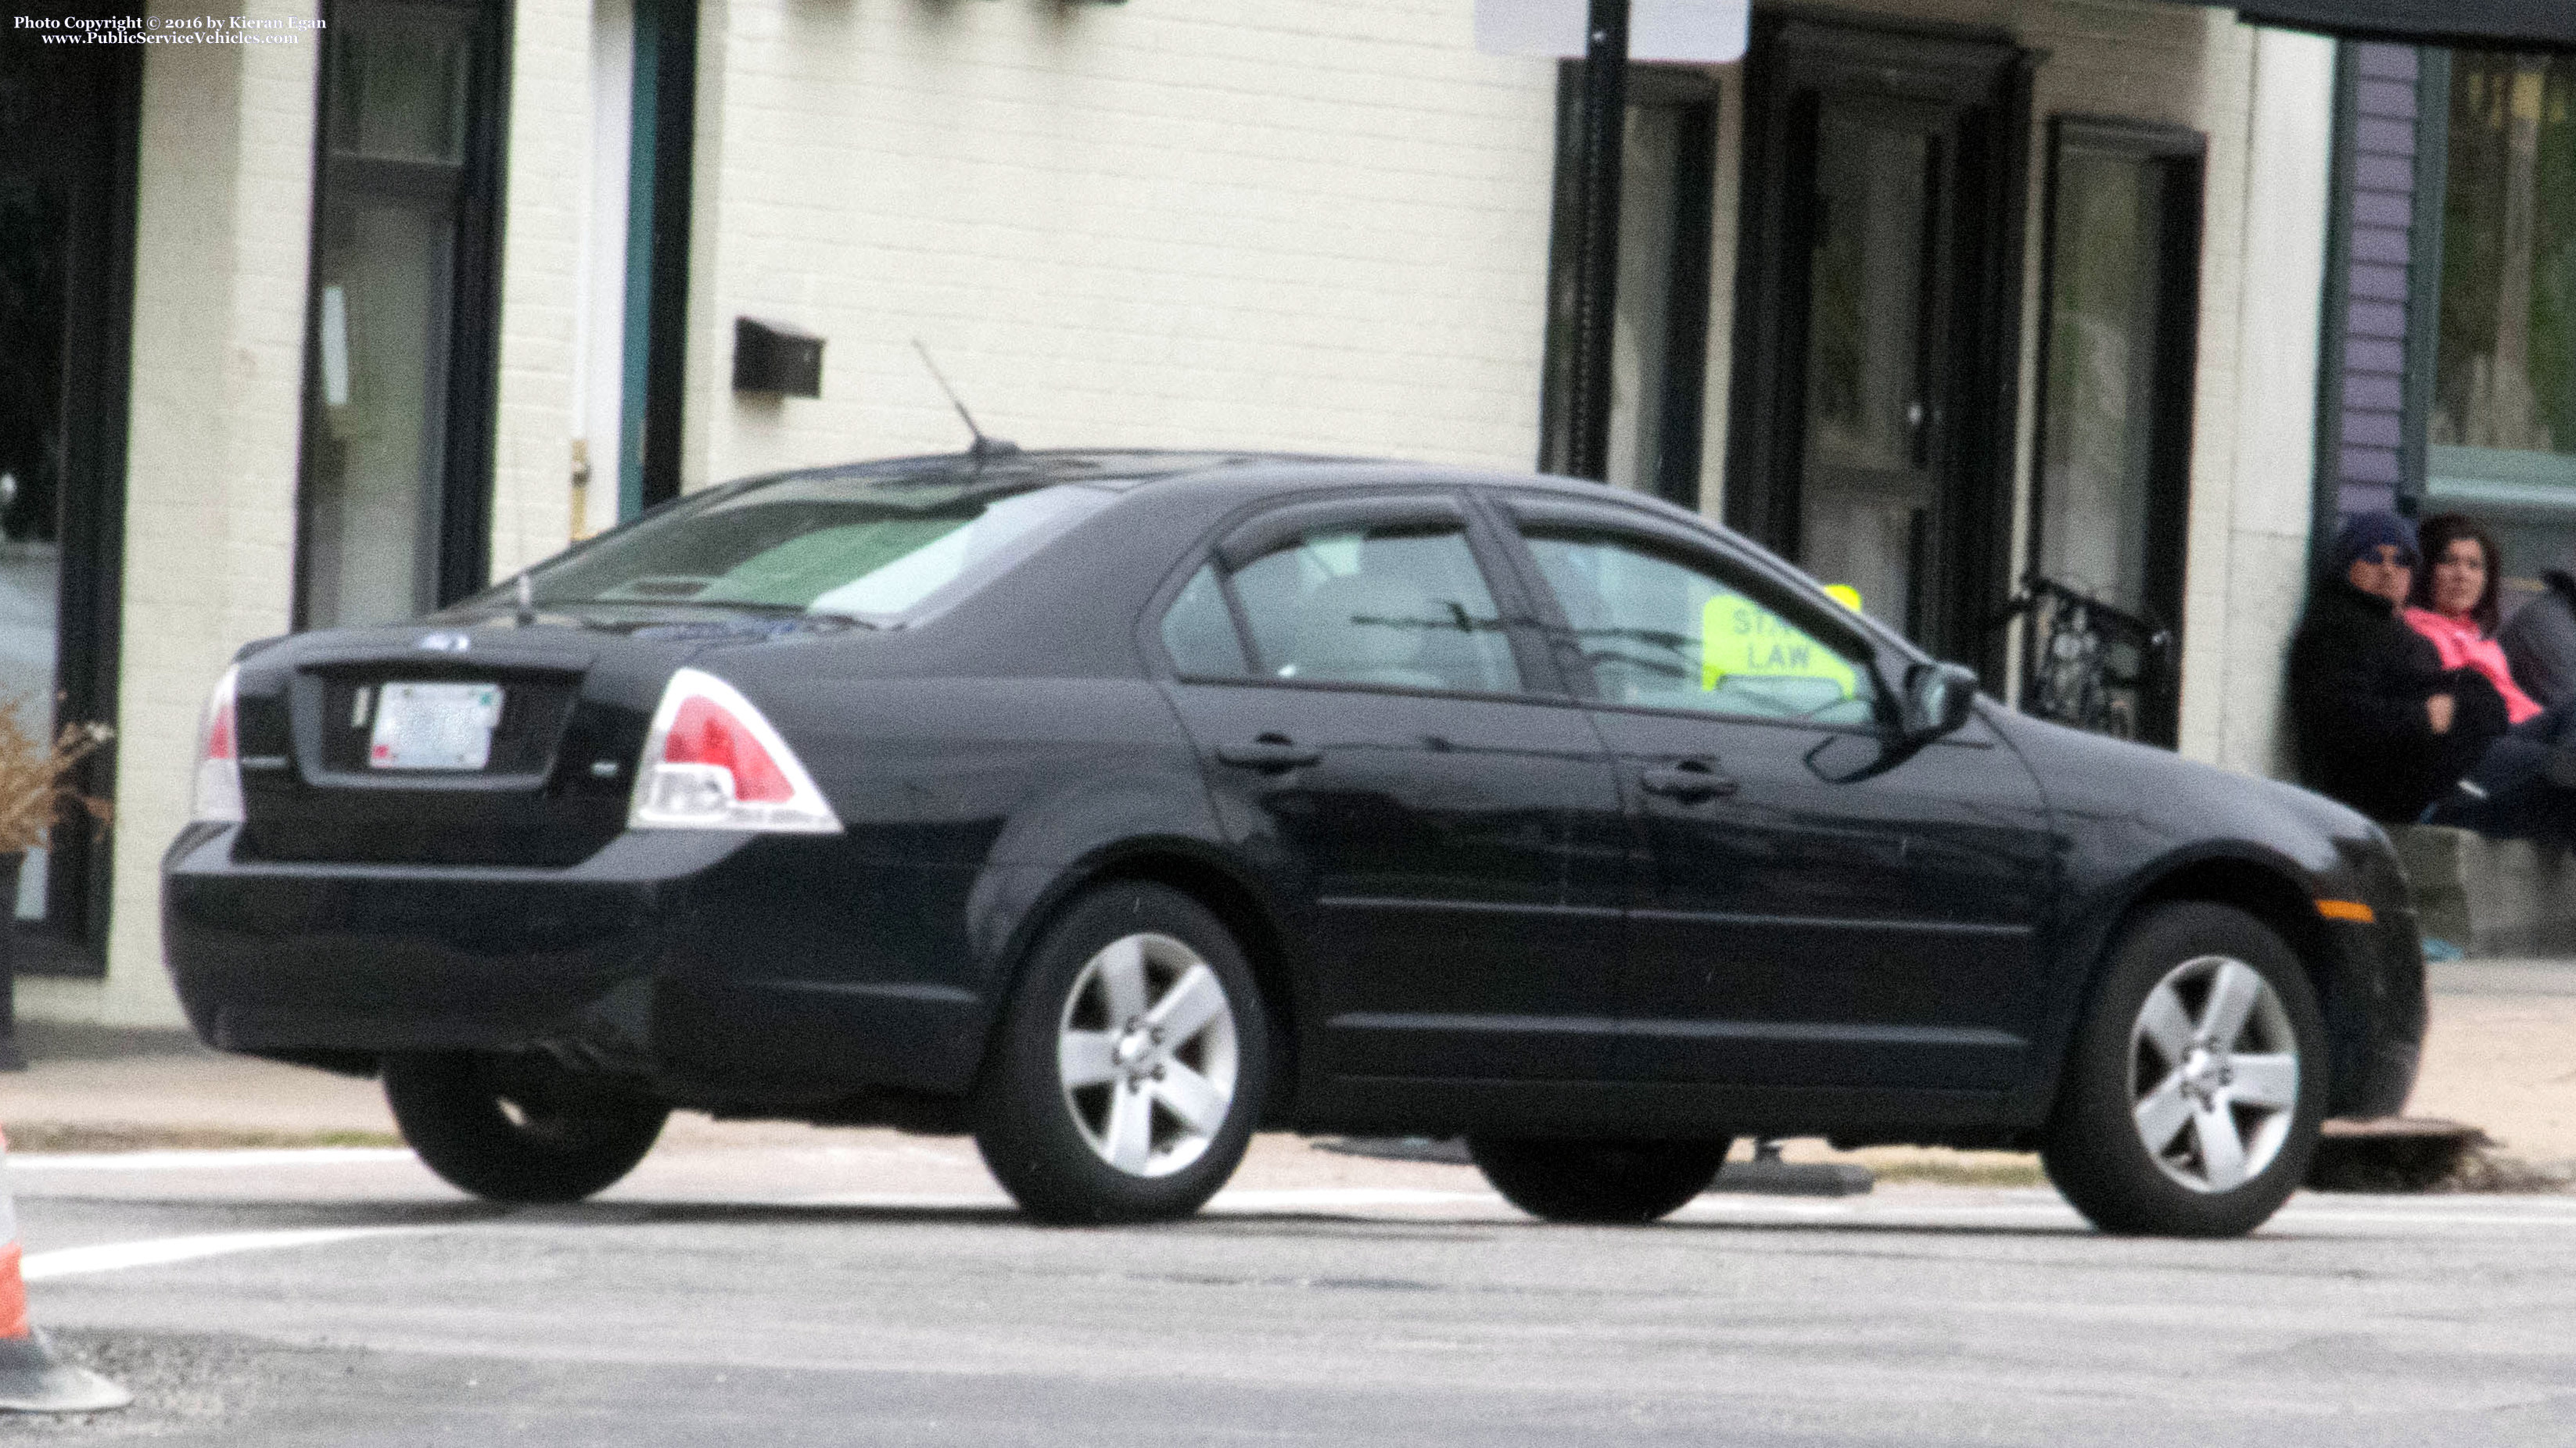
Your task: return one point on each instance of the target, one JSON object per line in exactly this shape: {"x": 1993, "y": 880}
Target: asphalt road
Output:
{"x": 882, "y": 1294}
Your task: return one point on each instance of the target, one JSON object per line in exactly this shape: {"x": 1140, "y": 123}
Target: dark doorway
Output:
{"x": 395, "y": 498}
{"x": 1877, "y": 302}
{"x": 68, "y": 116}
{"x": 2118, "y": 347}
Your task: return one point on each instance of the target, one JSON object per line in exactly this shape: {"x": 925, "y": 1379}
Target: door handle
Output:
{"x": 1691, "y": 782}
{"x": 1271, "y": 754}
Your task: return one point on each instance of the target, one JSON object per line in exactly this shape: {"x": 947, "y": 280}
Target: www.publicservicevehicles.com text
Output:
{"x": 156, "y": 30}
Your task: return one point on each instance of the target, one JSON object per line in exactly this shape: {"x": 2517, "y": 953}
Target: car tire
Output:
{"x": 1130, "y": 1065}
{"x": 2194, "y": 1092}
{"x": 519, "y": 1128}
{"x": 1620, "y": 1183}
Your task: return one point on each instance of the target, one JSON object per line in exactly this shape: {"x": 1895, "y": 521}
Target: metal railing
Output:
{"x": 2090, "y": 665}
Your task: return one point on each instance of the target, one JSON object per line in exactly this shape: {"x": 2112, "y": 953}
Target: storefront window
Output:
{"x": 2503, "y": 428}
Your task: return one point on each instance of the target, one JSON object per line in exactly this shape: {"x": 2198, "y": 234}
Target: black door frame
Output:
{"x": 2177, "y": 368}
{"x": 472, "y": 376}
{"x": 101, "y": 163}
{"x": 1987, "y": 78}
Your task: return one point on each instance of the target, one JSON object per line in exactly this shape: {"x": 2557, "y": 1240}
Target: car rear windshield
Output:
{"x": 861, "y": 547}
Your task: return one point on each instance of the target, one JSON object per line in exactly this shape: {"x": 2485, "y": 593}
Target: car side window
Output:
{"x": 1198, "y": 630}
{"x": 1397, "y": 603}
{"x": 1664, "y": 631}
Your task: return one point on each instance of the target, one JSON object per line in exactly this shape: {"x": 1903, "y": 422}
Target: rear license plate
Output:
{"x": 434, "y": 726}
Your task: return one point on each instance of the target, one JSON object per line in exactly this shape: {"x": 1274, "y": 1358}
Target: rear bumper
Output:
{"x": 726, "y": 967}
{"x": 287, "y": 957}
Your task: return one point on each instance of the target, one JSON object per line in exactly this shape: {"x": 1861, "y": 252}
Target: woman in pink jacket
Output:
{"x": 2524, "y": 786}
{"x": 2454, "y": 604}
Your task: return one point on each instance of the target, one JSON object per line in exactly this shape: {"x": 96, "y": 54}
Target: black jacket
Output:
{"x": 2358, "y": 681}
{"x": 2540, "y": 642}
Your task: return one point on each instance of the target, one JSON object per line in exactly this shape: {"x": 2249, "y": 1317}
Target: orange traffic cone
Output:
{"x": 32, "y": 1379}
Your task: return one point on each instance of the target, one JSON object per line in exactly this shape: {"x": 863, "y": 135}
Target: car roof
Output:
{"x": 1250, "y": 471}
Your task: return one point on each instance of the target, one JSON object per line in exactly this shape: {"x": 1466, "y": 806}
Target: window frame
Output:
{"x": 1541, "y": 680}
{"x": 1810, "y": 612}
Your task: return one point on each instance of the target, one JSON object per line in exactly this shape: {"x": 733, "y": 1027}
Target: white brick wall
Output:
{"x": 221, "y": 239}
{"x": 2256, "y": 591}
{"x": 1295, "y": 224}
{"x": 547, "y": 176}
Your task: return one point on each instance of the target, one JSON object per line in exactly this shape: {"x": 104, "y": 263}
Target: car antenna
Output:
{"x": 527, "y": 592}
{"x": 983, "y": 447}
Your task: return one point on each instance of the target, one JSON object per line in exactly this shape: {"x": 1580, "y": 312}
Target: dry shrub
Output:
{"x": 35, "y": 779}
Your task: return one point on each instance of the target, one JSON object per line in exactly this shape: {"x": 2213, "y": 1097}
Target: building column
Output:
{"x": 2249, "y": 592}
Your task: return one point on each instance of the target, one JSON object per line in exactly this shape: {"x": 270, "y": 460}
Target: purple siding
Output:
{"x": 2365, "y": 392}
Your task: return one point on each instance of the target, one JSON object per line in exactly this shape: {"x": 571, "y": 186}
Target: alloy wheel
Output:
{"x": 1147, "y": 1054}
{"x": 2214, "y": 1072}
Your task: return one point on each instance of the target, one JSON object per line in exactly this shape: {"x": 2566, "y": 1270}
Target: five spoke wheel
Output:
{"x": 1148, "y": 1055}
{"x": 2216, "y": 1068}
{"x": 1130, "y": 1068}
{"x": 2193, "y": 1092}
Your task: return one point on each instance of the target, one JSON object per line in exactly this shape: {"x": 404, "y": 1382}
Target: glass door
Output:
{"x": 1873, "y": 284}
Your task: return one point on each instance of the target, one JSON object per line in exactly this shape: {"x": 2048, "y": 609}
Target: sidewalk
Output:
{"x": 2501, "y": 1055}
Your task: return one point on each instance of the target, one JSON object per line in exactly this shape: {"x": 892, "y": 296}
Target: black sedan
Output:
{"x": 1110, "y": 805}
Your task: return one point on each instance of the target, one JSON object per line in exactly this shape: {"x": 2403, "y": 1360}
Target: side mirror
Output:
{"x": 1938, "y": 699}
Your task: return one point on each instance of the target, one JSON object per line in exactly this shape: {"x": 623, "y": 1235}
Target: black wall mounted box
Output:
{"x": 771, "y": 358}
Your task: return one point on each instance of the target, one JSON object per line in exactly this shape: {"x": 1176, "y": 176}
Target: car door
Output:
{"x": 1819, "y": 903}
{"x": 1440, "y": 816}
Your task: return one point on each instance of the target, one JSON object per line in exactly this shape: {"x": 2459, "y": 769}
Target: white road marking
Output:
{"x": 1289, "y": 1199}
{"x": 882, "y": 1201}
{"x": 161, "y": 1251}
{"x": 205, "y": 1160}
{"x": 1237, "y": 1200}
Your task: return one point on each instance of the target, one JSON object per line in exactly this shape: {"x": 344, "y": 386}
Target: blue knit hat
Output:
{"x": 2363, "y": 533}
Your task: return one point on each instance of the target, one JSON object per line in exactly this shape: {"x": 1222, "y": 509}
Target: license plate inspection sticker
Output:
{"x": 434, "y": 726}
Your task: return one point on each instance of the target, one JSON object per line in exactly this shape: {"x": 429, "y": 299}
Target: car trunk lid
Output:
{"x": 487, "y": 746}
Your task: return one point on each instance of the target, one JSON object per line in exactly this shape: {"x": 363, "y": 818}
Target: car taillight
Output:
{"x": 219, "y": 789}
{"x": 712, "y": 762}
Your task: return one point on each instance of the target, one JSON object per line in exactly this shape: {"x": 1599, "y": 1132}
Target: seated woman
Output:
{"x": 2453, "y": 605}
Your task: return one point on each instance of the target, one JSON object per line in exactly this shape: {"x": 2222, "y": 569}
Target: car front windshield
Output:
{"x": 859, "y": 547}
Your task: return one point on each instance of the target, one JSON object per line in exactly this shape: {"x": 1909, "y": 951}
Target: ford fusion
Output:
{"x": 1107, "y": 806}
